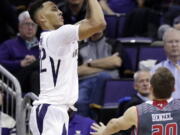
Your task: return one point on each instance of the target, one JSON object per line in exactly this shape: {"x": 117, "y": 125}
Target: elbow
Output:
{"x": 118, "y": 63}
{"x": 102, "y": 25}
{"x": 99, "y": 25}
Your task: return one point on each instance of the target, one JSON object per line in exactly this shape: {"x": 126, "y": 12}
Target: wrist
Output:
{"x": 89, "y": 64}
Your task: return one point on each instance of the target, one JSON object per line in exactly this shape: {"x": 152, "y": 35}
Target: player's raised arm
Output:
{"x": 125, "y": 122}
{"x": 94, "y": 21}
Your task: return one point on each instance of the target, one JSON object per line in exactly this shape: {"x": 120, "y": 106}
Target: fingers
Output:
{"x": 27, "y": 56}
{"x": 98, "y": 128}
{"x": 93, "y": 133}
{"x": 101, "y": 124}
{"x": 30, "y": 58}
{"x": 95, "y": 126}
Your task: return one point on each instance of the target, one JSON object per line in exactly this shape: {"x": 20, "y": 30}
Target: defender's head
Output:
{"x": 162, "y": 83}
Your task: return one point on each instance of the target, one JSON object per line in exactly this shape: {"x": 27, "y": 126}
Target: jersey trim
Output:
{"x": 151, "y": 102}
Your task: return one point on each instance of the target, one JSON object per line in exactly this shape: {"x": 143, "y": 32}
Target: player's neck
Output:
{"x": 159, "y": 99}
{"x": 163, "y": 99}
{"x": 47, "y": 27}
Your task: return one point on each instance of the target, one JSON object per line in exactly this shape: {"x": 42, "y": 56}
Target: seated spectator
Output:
{"x": 19, "y": 55}
{"x": 7, "y": 123}
{"x": 171, "y": 40}
{"x": 78, "y": 123}
{"x": 73, "y": 11}
{"x": 142, "y": 86}
{"x": 98, "y": 65}
{"x": 99, "y": 55}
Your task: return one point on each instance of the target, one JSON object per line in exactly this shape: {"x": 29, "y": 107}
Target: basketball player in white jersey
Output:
{"x": 157, "y": 117}
{"x": 58, "y": 64}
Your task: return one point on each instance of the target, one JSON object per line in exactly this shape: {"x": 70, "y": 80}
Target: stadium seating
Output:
{"x": 116, "y": 89}
{"x": 152, "y": 52}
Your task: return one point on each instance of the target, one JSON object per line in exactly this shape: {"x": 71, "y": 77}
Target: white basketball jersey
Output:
{"x": 58, "y": 66}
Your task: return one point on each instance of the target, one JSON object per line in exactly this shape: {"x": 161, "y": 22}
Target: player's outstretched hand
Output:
{"x": 98, "y": 128}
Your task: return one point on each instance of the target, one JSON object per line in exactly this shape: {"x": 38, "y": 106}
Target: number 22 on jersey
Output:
{"x": 54, "y": 69}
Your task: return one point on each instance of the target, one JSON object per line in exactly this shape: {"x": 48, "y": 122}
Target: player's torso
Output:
{"x": 58, "y": 74}
{"x": 155, "y": 121}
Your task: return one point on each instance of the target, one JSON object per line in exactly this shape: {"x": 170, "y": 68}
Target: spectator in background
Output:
{"x": 73, "y": 11}
{"x": 7, "y": 123}
{"x": 19, "y": 55}
{"x": 142, "y": 86}
{"x": 171, "y": 40}
{"x": 98, "y": 54}
{"x": 98, "y": 65}
{"x": 8, "y": 21}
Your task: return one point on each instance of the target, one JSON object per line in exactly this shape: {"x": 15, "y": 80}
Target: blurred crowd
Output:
{"x": 101, "y": 57}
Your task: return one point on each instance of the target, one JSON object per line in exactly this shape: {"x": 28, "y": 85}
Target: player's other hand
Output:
{"x": 98, "y": 128}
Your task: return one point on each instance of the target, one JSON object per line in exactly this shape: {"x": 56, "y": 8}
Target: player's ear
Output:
{"x": 41, "y": 18}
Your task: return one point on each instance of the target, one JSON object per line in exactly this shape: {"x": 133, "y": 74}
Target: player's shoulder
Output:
{"x": 131, "y": 110}
{"x": 63, "y": 30}
{"x": 67, "y": 26}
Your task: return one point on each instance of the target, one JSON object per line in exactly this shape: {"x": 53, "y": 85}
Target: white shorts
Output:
{"x": 47, "y": 119}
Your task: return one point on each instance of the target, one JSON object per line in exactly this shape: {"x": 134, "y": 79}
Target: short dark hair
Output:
{"x": 163, "y": 83}
{"x": 34, "y": 7}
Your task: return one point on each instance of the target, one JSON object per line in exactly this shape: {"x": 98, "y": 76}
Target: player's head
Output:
{"x": 162, "y": 83}
{"x": 46, "y": 14}
{"x": 142, "y": 82}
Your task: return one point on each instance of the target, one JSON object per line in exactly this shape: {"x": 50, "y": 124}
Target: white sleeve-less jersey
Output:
{"x": 58, "y": 66}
